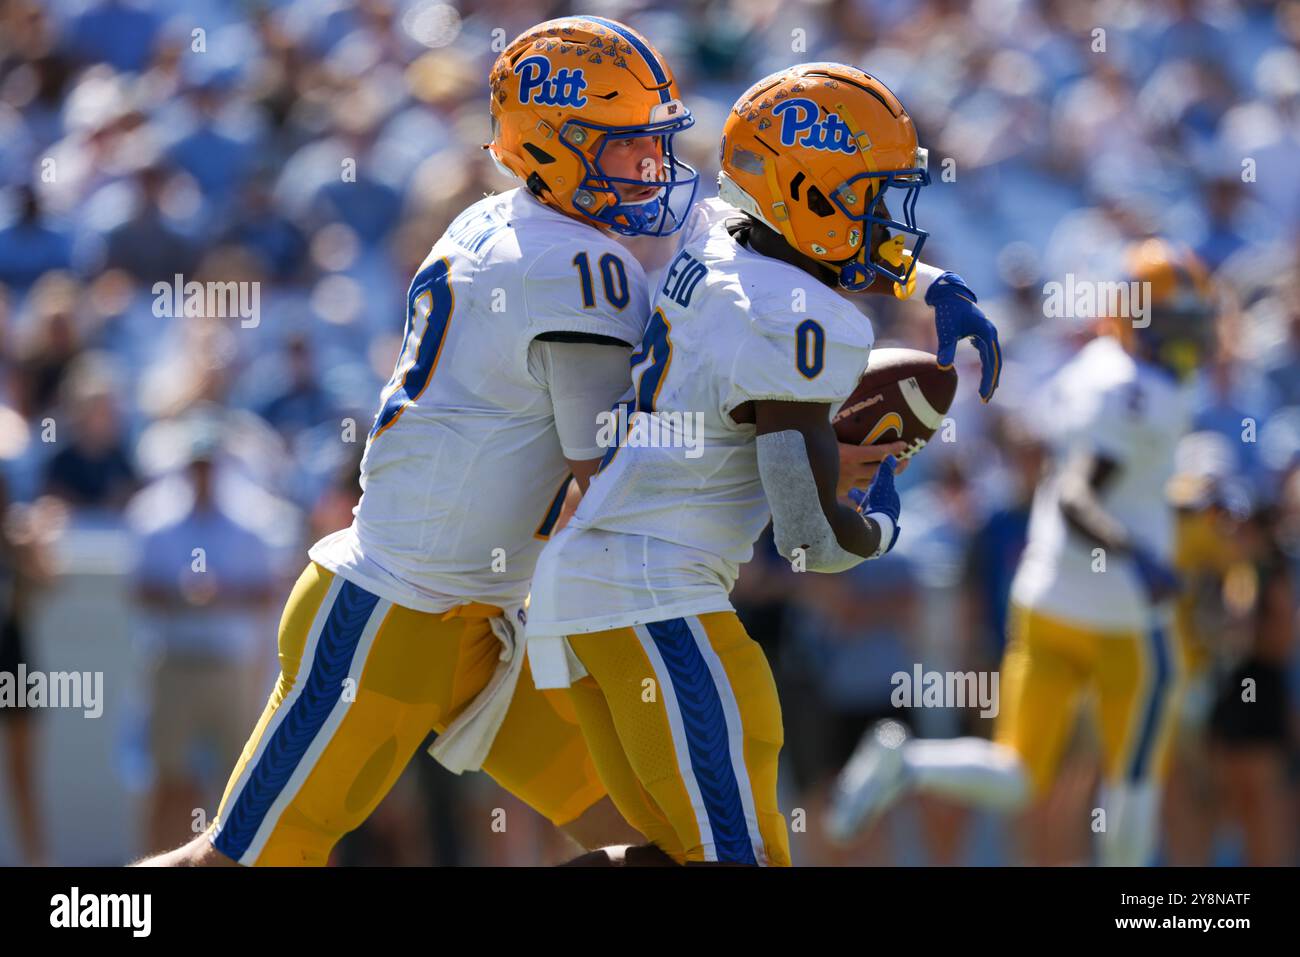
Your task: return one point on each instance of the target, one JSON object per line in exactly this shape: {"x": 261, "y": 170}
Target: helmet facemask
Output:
{"x": 597, "y": 196}
{"x": 1178, "y": 336}
{"x": 860, "y": 271}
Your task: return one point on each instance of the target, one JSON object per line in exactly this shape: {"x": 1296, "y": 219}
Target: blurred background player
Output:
{"x": 519, "y": 324}
{"x": 1090, "y": 599}
{"x": 630, "y": 603}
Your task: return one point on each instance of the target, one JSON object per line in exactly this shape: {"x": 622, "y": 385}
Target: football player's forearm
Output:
{"x": 1085, "y": 515}
{"x": 1084, "y": 477}
{"x": 854, "y": 531}
{"x": 803, "y": 529}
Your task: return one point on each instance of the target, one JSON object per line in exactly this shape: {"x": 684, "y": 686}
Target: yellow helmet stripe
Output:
{"x": 864, "y": 151}
{"x": 781, "y": 215}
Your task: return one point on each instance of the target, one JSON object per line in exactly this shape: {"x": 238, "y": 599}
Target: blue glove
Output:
{"x": 881, "y": 497}
{"x": 957, "y": 317}
{"x": 1158, "y": 579}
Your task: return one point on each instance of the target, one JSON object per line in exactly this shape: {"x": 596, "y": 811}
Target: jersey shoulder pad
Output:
{"x": 816, "y": 353}
{"x": 590, "y": 285}
{"x": 1116, "y": 417}
{"x": 704, "y": 216}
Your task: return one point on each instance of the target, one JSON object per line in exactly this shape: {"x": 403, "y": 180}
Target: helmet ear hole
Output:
{"x": 818, "y": 203}
{"x": 794, "y": 186}
{"x": 539, "y": 154}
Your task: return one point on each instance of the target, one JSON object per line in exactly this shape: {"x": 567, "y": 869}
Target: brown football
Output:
{"x": 903, "y": 395}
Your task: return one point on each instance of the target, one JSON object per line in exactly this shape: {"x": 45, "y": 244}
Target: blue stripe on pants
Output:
{"x": 320, "y": 692}
{"x": 706, "y": 738}
{"x": 1157, "y": 641}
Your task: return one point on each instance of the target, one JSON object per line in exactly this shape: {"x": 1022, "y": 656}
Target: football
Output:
{"x": 903, "y": 395}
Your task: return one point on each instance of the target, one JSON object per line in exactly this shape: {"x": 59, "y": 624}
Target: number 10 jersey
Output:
{"x": 463, "y": 469}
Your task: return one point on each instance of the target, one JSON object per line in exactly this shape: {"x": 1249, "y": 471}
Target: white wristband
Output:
{"x": 925, "y": 276}
{"x": 886, "y": 526}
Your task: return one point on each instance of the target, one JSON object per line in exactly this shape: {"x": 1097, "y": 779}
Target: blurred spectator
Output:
{"x": 218, "y": 141}
{"x": 92, "y": 467}
{"x": 996, "y": 546}
{"x": 333, "y": 510}
{"x": 1223, "y": 236}
{"x": 49, "y": 341}
{"x": 204, "y": 584}
{"x": 120, "y": 32}
{"x": 263, "y": 229}
{"x": 301, "y": 402}
{"x": 29, "y": 247}
{"x": 24, "y": 566}
{"x": 1282, "y": 368}
{"x": 147, "y": 244}
{"x": 1249, "y": 725}
{"x": 1209, "y": 619}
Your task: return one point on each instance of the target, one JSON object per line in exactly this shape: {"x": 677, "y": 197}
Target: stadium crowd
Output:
{"x": 315, "y": 149}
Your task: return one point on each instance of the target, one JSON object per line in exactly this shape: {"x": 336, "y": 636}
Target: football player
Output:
{"x": 1090, "y": 599}
{"x": 519, "y": 327}
{"x": 752, "y": 345}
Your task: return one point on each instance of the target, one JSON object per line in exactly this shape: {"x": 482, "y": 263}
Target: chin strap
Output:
{"x": 857, "y": 273}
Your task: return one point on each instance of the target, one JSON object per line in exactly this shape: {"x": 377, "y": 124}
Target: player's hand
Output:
{"x": 1158, "y": 580}
{"x": 881, "y": 498}
{"x": 858, "y": 464}
{"x": 957, "y": 317}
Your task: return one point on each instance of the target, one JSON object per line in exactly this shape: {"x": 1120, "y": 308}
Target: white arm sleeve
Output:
{"x": 797, "y": 517}
{"x": 925, "y": 277}
{"x": 584, "y": 379}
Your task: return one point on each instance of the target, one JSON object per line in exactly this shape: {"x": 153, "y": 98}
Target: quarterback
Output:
{"x": 630, "y": 606}
{"x": 518, "y": 330}
{"x": 1090, "y": 598}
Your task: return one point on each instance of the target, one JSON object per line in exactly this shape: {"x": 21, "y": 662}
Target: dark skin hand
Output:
{"x": 812, "y": 421}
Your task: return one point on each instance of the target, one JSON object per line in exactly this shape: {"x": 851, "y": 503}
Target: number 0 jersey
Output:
{"x": 463, "y": 472}
{"x": 1132, "y": 413}
{"x": 673, "y": 512}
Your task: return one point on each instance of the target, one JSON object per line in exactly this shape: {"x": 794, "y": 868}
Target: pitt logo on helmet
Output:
{"x": 799, "y": 116}
{"x": 584, "y": 111}
{"x": 811, "y": 151}
{"x": 536, "y": 85}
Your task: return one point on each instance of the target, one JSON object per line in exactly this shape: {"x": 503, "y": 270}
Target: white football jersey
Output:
{"x": 673, "y": 513}
{"x": 463, "y": 469}
{"x": 1133, "y": 414}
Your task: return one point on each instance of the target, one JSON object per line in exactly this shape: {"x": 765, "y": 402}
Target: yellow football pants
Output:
{"x": 1050, "y": 663}
{"x": 684, "y": 724}
{"x": 362, "y": 682}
